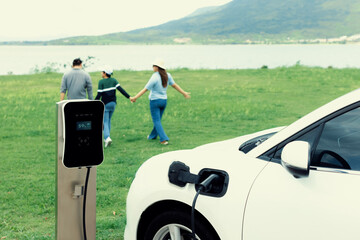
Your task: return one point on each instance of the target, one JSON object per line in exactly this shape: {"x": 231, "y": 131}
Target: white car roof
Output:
{"x": 325, "y": 110}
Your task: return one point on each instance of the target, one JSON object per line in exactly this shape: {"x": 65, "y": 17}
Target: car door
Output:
{"x": 324, "y": 205}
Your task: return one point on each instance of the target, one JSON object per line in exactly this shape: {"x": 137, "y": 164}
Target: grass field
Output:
{"x": 224, "y": 104}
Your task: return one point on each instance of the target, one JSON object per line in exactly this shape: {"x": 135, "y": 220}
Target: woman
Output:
{"x": 107, "y": 93}
{"x": 157, "y": 85}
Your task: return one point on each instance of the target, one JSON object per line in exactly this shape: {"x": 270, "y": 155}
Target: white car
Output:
{"x": 295, "y": 182}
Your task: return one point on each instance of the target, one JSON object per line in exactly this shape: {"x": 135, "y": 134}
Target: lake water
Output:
{"x": 23, "y": 59}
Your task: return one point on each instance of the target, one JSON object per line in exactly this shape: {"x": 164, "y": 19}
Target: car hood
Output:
{"x": 234, "y": 144}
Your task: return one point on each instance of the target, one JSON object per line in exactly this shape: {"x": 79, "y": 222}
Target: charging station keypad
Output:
{"x": 84, "y": 141}
{"x": 83, "y": 126}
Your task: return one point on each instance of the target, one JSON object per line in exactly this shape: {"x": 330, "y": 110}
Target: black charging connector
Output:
{"x": 219, "y": 184}
{"x": 206, "y": 184}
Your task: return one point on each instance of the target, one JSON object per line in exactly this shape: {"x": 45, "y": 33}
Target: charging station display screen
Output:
{"x": 83, "y": 128}
{"x": 83, "y": 125}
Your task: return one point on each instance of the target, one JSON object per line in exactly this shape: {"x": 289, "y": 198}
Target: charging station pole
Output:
{"x": 70, "y": 183}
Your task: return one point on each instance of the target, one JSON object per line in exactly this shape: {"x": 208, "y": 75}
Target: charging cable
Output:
{"x": 193, "y": 213}
{"x": 84, "y": 203}
{"x": 204, "y": 186}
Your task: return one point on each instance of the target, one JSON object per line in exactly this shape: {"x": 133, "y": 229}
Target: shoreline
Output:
{"x": 263, "y": 68}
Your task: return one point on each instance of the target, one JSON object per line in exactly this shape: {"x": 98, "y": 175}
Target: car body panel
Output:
{"x": 152, "y": 185}
{"x": 321, "y": 206}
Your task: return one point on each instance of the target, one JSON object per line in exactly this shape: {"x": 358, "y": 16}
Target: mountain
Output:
{"x": 203, "y": 10}
{"x": 240, "y": 20}
{"x": 247, "y": 21}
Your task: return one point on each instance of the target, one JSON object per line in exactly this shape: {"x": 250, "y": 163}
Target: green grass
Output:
{"x": 224, "y": 104}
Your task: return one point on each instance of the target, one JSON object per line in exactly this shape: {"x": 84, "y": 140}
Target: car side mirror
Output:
{"x": 295, "y": 158}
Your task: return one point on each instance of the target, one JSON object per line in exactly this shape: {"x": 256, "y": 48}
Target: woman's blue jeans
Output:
{"x": 109, "y": 110}
{"x": 157, "y": 108}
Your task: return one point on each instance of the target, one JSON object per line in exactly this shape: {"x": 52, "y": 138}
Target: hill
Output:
{"x": 248, "y": 21}
{"x": 259, "y": 20}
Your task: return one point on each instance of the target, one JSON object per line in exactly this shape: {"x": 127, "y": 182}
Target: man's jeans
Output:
{"x": 157, "y": 108}
{"x": 109, "y": 110}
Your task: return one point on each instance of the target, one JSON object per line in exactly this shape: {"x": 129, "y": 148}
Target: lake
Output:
{"x": 24, "y": 59}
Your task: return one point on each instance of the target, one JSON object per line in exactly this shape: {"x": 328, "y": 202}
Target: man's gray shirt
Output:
{"x": 76, "y": 82}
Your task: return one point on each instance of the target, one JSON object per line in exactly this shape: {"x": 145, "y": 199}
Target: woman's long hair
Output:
{"x": 164, "y": 76}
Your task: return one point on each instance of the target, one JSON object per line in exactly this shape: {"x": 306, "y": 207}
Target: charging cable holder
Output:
{"x": 179, "y": 174}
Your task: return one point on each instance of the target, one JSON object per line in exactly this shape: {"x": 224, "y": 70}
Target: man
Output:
{"x": 76, "y": 82}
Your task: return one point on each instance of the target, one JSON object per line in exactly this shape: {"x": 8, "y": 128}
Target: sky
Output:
{"x": 33, "y": 20}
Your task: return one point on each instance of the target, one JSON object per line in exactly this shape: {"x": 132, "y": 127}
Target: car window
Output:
{"x": 339, "y": 143}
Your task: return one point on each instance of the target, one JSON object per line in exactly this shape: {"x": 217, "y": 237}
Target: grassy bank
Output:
{"x": 224, "y": 104}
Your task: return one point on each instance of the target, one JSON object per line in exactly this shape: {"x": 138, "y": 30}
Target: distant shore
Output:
{"x": 91, "y": 40}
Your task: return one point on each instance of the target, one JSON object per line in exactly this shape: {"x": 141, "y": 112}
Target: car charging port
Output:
{"x": 217, "y": 182}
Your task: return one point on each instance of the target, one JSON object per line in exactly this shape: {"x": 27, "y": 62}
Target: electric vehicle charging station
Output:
{"x": 79, "y": 148}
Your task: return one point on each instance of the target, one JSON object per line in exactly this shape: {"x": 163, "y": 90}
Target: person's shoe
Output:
{"x": 108, "y": 142}
{"x": 164, "y": 142}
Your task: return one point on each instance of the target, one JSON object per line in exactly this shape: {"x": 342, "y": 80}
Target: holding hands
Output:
{"x": 132, "y": 99}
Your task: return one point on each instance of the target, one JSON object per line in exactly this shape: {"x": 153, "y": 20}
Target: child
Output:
{"x": 107, "y": 93}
